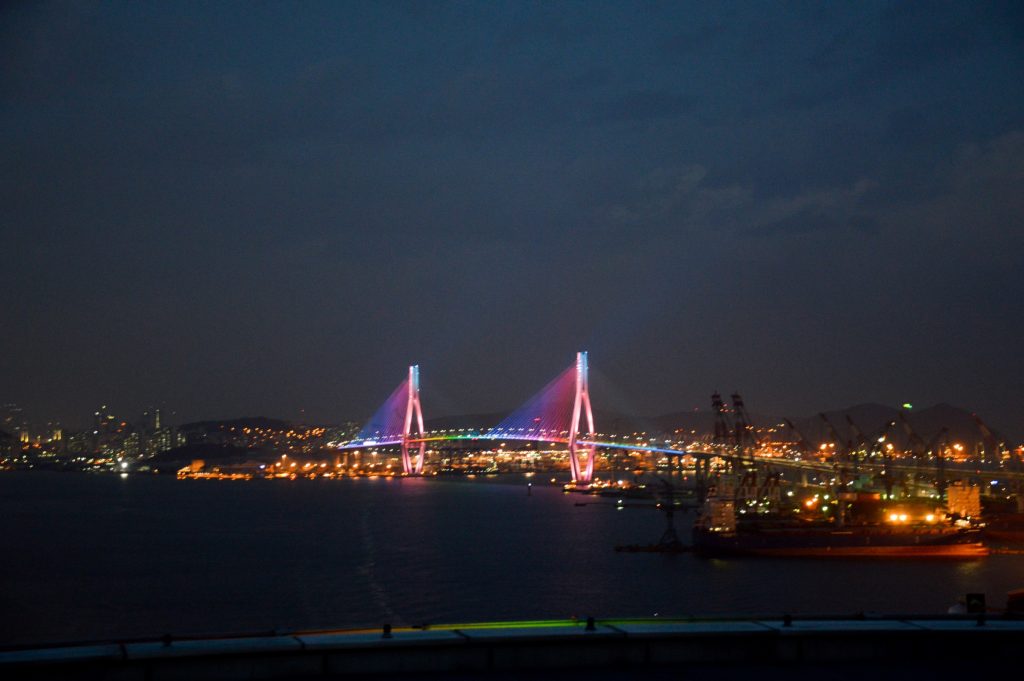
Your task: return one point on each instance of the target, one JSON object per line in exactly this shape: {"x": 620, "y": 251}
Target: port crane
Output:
{"x": 721, "y": 436}
{"x": 744, "y": 429}
{"x": 915, "y": 445}
{"x": 987, "y": 438}
{"x": 858, "y": 451}
{"x": 801, "y": 442}
{"x": 842, "y": 448}
{"x": 936, "y": 446}
{"x": 876, "y": 445}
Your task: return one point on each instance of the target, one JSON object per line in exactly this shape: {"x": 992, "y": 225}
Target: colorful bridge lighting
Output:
{"x": 554, "y": 414}
{"x": 413, "y": 405}
{"x": 392, "y": 423}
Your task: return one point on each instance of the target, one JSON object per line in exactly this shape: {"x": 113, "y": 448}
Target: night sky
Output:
{"x": 261, "y": 208}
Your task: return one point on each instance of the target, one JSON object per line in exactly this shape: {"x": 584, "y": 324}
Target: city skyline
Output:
{"x": 17, "y": 422}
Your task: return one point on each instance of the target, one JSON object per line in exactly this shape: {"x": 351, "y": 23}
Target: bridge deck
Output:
{"x": 951, "y": 470}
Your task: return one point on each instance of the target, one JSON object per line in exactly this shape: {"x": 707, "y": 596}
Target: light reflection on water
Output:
{"x": 96, "y": 557}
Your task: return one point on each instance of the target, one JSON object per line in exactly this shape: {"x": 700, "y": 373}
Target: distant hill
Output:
{"x": 870, "y": 418}
{"x": 261, "y": 422}
{"x": 959, "y": 421}
{"x": 698, "y": 422}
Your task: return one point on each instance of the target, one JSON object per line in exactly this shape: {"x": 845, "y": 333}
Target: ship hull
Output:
{"x": 1005, "y": 528}
{"x": 801, "y": 543}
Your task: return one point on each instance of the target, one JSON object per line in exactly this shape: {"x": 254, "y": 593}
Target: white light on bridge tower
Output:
{"x": 581, "y": 474}
{"x": 413, "y": 405}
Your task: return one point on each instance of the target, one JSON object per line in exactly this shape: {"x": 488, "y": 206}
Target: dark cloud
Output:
{"x": 643, "y": 106}
{"x": 913, "y": 36}
{"x": 801, "y": 223}
{"x": 695, "y": 40}
{"x": 918, "y": 126}
{"x": 811, "y": 220}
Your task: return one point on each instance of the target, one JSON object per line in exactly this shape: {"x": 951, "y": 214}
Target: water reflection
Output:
{"x": 98, "y": 557}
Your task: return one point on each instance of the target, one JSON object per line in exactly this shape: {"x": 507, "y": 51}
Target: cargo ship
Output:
{"x": 848, "y": 542}
{"x": 717, "y": 534}
{"x": 1005, "y": 528}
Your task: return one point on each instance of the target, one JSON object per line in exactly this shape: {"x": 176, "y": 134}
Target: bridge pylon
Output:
{"x": 581, "y": 473}
{"x": 412, "y": 406}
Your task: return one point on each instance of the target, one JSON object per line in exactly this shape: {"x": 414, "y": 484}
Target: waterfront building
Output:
{"x": 964, "y": 500}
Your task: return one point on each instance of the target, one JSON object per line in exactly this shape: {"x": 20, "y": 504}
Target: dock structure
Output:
{"x": 658, "y": 648}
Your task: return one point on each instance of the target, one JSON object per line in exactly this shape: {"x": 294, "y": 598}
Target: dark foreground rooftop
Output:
{"x": 890, "y": 647}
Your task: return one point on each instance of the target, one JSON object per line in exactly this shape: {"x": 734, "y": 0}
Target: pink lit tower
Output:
{"x": 413, "y": 404}
{"x": 581, "y": 473}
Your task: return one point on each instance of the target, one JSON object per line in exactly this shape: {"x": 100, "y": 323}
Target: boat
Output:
{"x": 849, "y": 542}
{"x": 717, "y": 534}
{"x": 1006, "y": 528}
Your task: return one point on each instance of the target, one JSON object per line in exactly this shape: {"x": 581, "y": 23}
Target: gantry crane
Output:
{"x": 745, "y": 435}
{"x": 801, "y": 442}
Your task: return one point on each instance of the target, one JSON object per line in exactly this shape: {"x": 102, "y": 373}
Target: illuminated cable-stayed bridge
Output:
{"x": 560, "y": 413}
